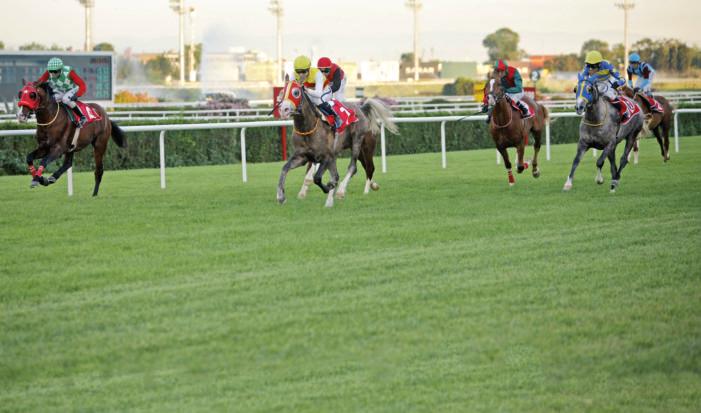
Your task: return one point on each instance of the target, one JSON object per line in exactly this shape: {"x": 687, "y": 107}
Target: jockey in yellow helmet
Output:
{"x": 313, "y": 81}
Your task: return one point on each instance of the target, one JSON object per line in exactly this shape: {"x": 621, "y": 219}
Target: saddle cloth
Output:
{"x": 515, "y": 106}
{"x": 628, "y": 109}
{"x": 346, "y": 114}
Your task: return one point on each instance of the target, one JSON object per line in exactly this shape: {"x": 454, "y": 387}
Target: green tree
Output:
{"x": 2, "y": 45}
{"x": 565, "y": 63}
{"x": 33, "y": 46}
{"x": 502, "y": 44}
{"x": 595, "y": 44}
{"x": 103, "y": 47}
{"x": 158, "y": 69}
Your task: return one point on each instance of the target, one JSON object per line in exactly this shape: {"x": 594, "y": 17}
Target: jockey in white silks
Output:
{"x": 643, "y": 84}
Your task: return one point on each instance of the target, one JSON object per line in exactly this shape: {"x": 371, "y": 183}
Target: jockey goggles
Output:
{"x": 325, "y": 70}
{"x": 300, "y": 71}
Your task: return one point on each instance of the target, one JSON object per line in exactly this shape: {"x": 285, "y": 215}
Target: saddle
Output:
{"x": 90, "y": 114}
{"x": 346, "y": 114}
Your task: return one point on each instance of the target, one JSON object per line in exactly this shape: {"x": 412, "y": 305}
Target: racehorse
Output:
{"x": 603, "y": 128}
{"x": 658, "y": 123}
{"x": 57, "y": 135}
{"x": 315, "y": 142}
{"x": 509, "y": 130}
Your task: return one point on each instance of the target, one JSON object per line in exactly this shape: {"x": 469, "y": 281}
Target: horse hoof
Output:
{"x": 599, "y": 180}
{"x": 511, "y": 184}
{"x": 33, "y": 184}
{"x": 567, "y": 187}
{"x": 340, "y": 195}
{"x": 536, "y": 173}
{"x": 302, "y": 195}
{"x": 282, "y": 200}
{"x": 51, "y": 180}
{"x": 328, "y": 204}
{"x": 374, "y": 186}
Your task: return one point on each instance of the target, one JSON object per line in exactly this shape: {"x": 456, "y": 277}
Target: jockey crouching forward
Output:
{"x": 314, "y": 81}
{"x": 643, "y": 84}
{"x": 601, "y": 71}
{"x": 511, "y": 82}
{"x": 66, "y": 85}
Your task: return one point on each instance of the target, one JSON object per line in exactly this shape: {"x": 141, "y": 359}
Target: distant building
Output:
{"x": 373, "y": 71}
{"x": 427, "y": 70}
{"x": 537, "y": 62}
{"x": 453, "y": 70}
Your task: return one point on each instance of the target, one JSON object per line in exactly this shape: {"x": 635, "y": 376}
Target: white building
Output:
{"x": 384, "y": 71}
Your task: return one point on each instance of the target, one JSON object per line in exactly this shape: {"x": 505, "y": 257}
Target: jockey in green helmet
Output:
{"x": 66, "y": 85}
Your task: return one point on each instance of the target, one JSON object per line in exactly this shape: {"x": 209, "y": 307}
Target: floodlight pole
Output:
{"x": 277, "y": 11}
{"x": 415, "y": 5}
{"x": 626, "y": 6}
{"x": 88, "y": 5}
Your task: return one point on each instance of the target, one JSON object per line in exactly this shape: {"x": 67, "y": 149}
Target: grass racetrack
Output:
{"x": 444, "y": 291}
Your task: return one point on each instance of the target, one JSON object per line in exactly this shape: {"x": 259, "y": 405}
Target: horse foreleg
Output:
{"x": 308, "y": 180}
{"x": 352, "y": 170}
{"x": 67, "y": 163}
{"x": 665, "y": 135}
{"x": 39, "y": 152}
{"x": 581, "y": 149}
{"x": 615, "y": 175}
{"x": 295, "y": 161}
{"x": 54, "y": 153}
{"x": 507, "y": 163}
{"x": 520, "y": 152}
{"x": 99, "y": 149}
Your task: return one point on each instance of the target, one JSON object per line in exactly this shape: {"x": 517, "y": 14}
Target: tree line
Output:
{"x": 669, "y": 55}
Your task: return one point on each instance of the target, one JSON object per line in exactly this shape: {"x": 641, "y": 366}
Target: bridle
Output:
{"x": 497, "y": 98}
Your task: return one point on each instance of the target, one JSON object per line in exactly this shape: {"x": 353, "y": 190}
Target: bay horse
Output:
{"x": 315, "y": 142}
{"x": 509, "y": 130}
{"x": 601, "y": 128}
{"x": 56, "y": 131}
{"x": 659, "y": 123}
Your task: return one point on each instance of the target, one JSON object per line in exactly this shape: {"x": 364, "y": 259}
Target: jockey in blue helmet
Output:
{"x": 645, "y": 73}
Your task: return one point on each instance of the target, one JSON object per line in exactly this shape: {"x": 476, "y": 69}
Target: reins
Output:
{"x": 511, "y": 116}
{"x": 298, "y": 132}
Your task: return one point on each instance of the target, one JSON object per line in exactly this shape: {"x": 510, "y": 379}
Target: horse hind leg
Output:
{"x": 537, "y": 136}
{"x": 333, "y": 171}
{"x": 98, "y": 153}
{"x": 308, "y": 180}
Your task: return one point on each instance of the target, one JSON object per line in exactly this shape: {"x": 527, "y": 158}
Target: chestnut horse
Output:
{"x": 56, "y": 134}
{"x": 509, "y": 130}
{"x": 315, "y": 142}
{"x": 658, "y": 123}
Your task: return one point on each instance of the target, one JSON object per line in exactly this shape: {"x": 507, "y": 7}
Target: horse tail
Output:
{"x": 378, "y": 113}
{"x": 120, "y": 138}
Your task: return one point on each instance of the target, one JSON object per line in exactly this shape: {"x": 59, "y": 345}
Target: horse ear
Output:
{"x": 24, "y": 82}
{"x": 287, "y": 77}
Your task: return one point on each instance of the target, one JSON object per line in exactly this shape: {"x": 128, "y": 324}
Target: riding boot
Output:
{"x": 326, "y": 109}
{"x": 525, "y": 112}
{"x": 81, "y": 116}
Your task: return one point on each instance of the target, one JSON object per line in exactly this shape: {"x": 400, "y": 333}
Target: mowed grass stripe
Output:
{"x": 446, "y": 290}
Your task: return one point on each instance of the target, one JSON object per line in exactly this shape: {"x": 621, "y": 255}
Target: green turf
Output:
{"x": 444, "y": 291}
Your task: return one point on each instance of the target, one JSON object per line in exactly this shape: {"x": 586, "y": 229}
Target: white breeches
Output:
{"x": 339, "y": 95}
{"x": 516, "y": 97}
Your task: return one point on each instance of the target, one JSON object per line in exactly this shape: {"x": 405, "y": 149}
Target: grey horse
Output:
{"x": 601, "y": 128}
{"x": 315, "y": 142}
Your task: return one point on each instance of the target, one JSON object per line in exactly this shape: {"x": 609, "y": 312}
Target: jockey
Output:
{"x": 645, "y": 74}
{"x": 600, "y": 71}
{"x": 66, "y": 85}
{"x": 314, "y": 81}
{"x": 512, "y": 84}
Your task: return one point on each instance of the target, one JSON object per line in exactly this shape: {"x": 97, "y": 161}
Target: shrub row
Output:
{"x": 223, "y": 146}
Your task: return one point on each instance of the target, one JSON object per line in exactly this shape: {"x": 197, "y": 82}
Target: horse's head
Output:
{"x": 290, "y": 99}
{"x": 587, "y": 94}
{"x": 493, "y": 90}
{"x": 31, "y": 97}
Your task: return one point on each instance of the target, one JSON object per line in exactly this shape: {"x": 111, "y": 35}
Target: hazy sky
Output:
{"x": 350, "y": 29}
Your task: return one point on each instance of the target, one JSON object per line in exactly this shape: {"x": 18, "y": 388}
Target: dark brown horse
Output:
{"x": 658, "y": 123}
{"x": 315, "y": 142}
{"x": 56, "y": 134}
{"x": 509, "y": 130}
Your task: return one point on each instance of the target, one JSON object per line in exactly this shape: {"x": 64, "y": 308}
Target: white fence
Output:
{"x": 383, "y": 151}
